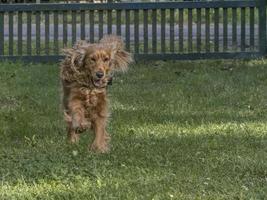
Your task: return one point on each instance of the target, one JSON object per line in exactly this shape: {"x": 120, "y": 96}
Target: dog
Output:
{"x": 85, "y": 73}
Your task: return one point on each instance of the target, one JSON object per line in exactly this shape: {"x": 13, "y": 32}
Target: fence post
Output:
{"x": 262, "y": 26}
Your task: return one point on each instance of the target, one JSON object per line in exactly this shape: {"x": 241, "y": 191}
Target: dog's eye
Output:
{"x": 93, "y": 59}
{"x": 106, "y": 59}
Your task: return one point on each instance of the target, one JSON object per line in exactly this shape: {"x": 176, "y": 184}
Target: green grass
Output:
{"x": 180, "y": 130}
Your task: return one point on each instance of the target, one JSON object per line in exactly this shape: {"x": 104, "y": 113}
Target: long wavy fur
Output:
{"x": 83, "y": 102}
{"x": 71, "y": 67}
{"x": 121, "y": 58}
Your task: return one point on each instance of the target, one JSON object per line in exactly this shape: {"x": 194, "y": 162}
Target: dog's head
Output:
{"x": 99, "y": 60}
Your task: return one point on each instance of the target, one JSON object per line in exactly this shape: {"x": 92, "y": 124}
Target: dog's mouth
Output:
{"x": 99, "y": 83}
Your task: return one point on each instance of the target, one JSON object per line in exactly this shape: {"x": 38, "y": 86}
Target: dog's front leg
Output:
{"x": 100, "y": 143}
{"x": 78, "y": 123}
{"x": 73, "y": 136}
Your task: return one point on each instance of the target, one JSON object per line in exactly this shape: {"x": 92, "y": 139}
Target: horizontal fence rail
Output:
{"x": 128, "y": 6}
{"x": 162, "y": 30}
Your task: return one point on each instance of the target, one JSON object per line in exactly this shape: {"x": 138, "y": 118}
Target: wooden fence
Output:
{"x": 161, "y": 30}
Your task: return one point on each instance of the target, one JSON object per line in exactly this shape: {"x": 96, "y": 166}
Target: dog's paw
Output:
{"x": 80, "y": 126}
{"x": 99, "y": 148}
{"x": 73, "y": 138}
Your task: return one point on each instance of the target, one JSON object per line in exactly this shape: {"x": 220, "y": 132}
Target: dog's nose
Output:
{"x": 99, "y": 74}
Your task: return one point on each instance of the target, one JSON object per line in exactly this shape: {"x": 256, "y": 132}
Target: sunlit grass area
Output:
{"x": 180, "y": 130}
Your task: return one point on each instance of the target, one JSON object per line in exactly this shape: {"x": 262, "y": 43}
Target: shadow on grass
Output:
{"x": 220, "y": 153}
{"x": 144, "y": 147}
{"x": 138, "y": 166}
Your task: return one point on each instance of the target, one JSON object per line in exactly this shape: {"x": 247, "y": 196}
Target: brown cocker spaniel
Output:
{"x": 85, "y": 73}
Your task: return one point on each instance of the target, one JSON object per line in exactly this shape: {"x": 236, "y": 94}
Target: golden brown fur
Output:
{"x": 85, "y": 72}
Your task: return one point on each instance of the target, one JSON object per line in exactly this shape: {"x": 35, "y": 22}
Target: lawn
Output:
{"x": 180, "y": 130}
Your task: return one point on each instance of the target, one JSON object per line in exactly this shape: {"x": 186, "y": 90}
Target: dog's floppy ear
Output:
{"x": 76, "y": 54}
{"x": 120, "y": 58}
